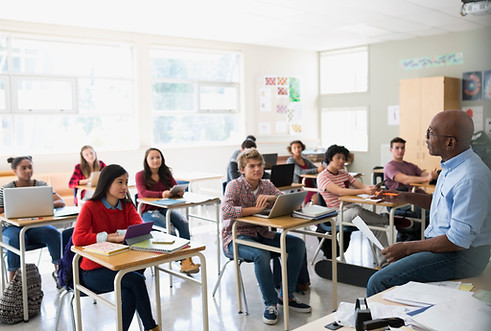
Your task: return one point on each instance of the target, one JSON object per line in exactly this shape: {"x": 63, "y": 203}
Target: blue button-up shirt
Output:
{"x": 461, "y": 205}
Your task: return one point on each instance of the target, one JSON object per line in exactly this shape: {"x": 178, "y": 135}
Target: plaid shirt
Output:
{"x": 239, "y": 194}
{"x": 77, "y": 176}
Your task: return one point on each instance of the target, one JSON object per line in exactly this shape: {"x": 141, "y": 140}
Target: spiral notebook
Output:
{"x": 162, "y": 242}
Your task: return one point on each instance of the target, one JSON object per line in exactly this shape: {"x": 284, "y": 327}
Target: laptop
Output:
{"x": 94, "y": 178}
{"x": 284, "y": 205}
{"x": 138, "y": 232}
{"x": 282, "y": 174}
{"x": 32, "y": 201}
{"x": 270, "y": 160}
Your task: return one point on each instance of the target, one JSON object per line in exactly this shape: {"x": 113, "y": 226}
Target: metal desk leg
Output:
{"x": 238, "y": 280}
{"x": 284, "y": 280}
{"x": 217, "y": 214}
{"x": 167, "y": 224}
{"x": 76, "y": 292}
{"x": 341, "y": 236}
{"x": 204, "y": 291}
{"x": 22, "y": 247}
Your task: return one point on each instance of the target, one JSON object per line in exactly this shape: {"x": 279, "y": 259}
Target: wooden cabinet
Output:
{"x": 419, "y": 100}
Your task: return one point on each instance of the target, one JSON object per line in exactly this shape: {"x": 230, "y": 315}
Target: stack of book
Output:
{"x": 315, "y": 212}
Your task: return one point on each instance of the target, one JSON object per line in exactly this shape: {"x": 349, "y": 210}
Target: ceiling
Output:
{"x": 301, "y": 24}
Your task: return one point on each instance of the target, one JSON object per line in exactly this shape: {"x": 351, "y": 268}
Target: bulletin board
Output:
{"x": 280, "y": 106}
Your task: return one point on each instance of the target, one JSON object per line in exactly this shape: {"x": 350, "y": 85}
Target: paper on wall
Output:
{"x": 362, "y": 226}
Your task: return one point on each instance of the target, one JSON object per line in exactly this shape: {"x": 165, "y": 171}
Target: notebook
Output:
{"x": 105, "y": 248}
{"x": 284, "y": 205}
{"x": 32, "y": 201}
{"x": 94, "y": 178}
{"x": 282, "y": 174}
{"x": 270, "y": 160}
{"x": 162, "y": 242}
{"x": 138, "y": 232}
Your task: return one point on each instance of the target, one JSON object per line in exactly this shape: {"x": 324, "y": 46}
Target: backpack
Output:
{"x": 11, "y": 306}
{"x": 65, "y": 269}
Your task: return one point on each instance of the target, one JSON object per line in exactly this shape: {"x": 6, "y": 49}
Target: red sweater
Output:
{"x": 95, "y": 218}
{"x": 150, "y": 192}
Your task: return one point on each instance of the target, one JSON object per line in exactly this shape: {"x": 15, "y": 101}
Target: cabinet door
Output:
{"x": 409, "y": 116}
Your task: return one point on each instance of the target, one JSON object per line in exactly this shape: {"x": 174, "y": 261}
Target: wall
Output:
{"x": 385, "y": 74}
{"x": 257, "y": 62}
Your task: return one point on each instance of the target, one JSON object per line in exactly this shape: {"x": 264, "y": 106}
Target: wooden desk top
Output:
{"x": 282, "y": 222}
{"x": 427, "y": 184}
{"x": 290, "y": 187}
{"x": 309, "y": 176}
{"x": 357, "y": 199}
{"x": 130, "y": 258}
{"x": 20, "y": 222}
{"x": 378, "y": 171}
{"x": 190, "y": 197}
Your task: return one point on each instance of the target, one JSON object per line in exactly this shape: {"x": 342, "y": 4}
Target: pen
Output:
{"x": 163, "y": 242}
{"x": 391, "y": 194}
{"x": 30, "y": 218}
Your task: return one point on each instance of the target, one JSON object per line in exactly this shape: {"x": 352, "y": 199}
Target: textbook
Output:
{"x": 106, "y": 248}
{"x": 169, "y": 202}
{"x": 299, "y": 214}
{"x": 164, "y": 243}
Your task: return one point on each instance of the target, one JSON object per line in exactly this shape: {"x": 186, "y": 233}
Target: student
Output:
{"x": 155, "y": 181}
{"x": 235, "y": 154}
{"x": 105, "y": 217}
{"x": 83, "y": 170}
{"x": 458, "y": 238}
{"x": 47, "y": 235}
{"x": 335, "y": 182}
{"x": 245, "y": 196}
{"x": 303, "y": 166}
{"x": 233, "y": 167}
{"x": 400, "y": 174}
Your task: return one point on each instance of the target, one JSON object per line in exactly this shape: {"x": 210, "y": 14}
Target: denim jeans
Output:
{"x": 47, "y": 235}
{"x": 134, "y": 294}
{"x": 430, "y": 267}
{"x": 295, "y": 248}
{"x": 176, "y": 219}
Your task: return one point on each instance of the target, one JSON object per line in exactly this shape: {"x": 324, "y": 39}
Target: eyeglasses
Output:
{"x": 429, "y": 133}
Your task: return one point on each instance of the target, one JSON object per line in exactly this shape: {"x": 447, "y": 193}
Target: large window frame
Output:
{"x": 97, "y": 97}
{"x": 223, "y": 107}
{"x": 344, "y": 71}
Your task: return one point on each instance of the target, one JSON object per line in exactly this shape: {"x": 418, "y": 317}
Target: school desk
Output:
{"x": 81, "y": 188}
{"x": 25, "y": 224}
{"x": 195, "y": 177}
{"x": 286, "y": 224}
{"x": 190, "y": 200}
{"x": 135, "y": 260}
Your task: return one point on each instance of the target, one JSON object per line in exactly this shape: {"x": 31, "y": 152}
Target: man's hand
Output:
{"x": 396, "y": 251}
{"x": 264, "y": 200}
{"x": 433, "y": 174}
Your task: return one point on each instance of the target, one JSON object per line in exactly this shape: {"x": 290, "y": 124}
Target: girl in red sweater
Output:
{"x": 105, "y": 217}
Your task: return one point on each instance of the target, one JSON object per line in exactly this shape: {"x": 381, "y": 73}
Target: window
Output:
{"x": 344, "y": 71}
{"x": 195, "y": 96}
{"x": 58, "y": 94}
{"x": 345, "y": 126}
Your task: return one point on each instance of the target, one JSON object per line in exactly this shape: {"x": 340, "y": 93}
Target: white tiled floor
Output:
{"x": 181, "y": 304}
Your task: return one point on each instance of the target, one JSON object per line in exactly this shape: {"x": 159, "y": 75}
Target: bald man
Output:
{"x": 458, "y": 238}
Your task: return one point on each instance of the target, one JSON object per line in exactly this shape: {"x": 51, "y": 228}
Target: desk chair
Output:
{"x": 376, "y": 177}
{"x": 231, "y": 259}
{"x": 326, "y": 227}
{"x": 30, "y": 247}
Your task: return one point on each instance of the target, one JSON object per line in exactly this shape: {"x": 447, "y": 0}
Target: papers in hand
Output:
{"x": 106, "y": 248}
{"x": 362, "y": 226}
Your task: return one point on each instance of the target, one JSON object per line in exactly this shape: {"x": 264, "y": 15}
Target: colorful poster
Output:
{"x": 282, "y": 92}
{"x": 269, "y": 81}
{"x": 282, "y": 81}
{"x": 471, "y": 85}
{"x": 477, "y": 115}
{"x": 281, "y": 108}
{"x": 486, "y": 87}
{"x": 432, "y": 61}
{"x": 294, "y": 89}
{"x": 264, "y": 128}
{"x": 280, "y": 127}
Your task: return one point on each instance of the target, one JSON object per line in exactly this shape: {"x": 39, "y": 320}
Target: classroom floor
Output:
{"x": 181, "y": 304}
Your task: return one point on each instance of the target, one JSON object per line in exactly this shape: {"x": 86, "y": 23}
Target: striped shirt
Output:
{"x": 341, "y": 179}
{"x": 239, "y": 194}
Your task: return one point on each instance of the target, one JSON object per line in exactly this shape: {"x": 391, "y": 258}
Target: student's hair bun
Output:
{"x": 14, "y": 161}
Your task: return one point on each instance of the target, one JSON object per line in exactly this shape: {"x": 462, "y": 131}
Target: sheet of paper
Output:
{"x": 362, "y": 226}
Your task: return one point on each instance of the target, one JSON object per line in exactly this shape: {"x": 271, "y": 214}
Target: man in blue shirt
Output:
{"x": 458, "y": 238}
